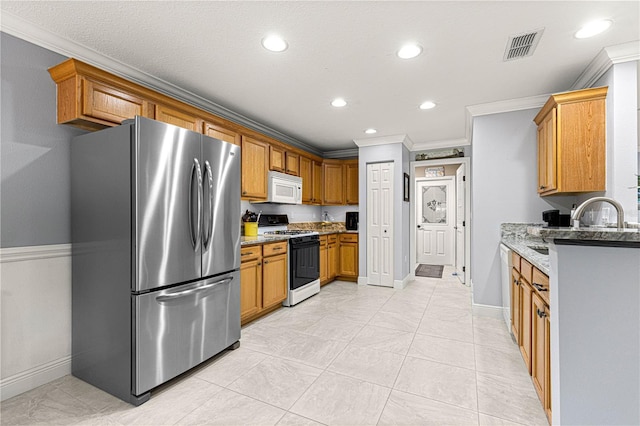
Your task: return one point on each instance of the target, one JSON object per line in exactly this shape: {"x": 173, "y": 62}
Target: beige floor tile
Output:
{"x": 334, "y": 399}
{"x": 487, "y": 420}
{"x": 402, "y": 306}
{"x": 448, "y": 313}
{"x": 276, "y": 381}
{"x": 446, "y": 329}
{"x": 334, "y": 328}
{"x": 500, "y": 362}
{"x": 231, "y": 408}
{"x": 95, "y": 398}
{"x": 512, "y": 399}
{"x": 371, "y": 365}
{"x": 291, "y": 419}
{"x": 407, "y": 321}
{"x": 232, "y": 365}
{"x": 311, "y": 350}
{"x": 496, "y": 338}
{"x": 383, "y": 339}
{"x": 446, "y": 351}
{"x": 171, "y": 404}
{"x": 265, "y": 339}
{"x": 407, "y": 409}
{"x": 444, "y": 383}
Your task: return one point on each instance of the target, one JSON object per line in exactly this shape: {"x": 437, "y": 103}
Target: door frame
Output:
{"x": 467, "y": 211}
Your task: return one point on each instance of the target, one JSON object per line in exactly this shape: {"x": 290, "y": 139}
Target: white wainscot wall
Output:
{"x": 35, "y": 285}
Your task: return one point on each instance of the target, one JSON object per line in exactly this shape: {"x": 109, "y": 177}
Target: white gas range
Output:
{"x": 303, "y": 268}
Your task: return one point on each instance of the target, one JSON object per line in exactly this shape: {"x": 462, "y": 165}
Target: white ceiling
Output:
{"x": 347, "y": 49}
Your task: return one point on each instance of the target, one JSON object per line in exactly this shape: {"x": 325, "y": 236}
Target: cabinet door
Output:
{"x": 515, "y": 304}
{"x": 525, "y": 322}
{"x": 538, "y": 356}
{"x": 349, "y": 259}
{"x": 292, "y": 163}
{"x": 174, "y": 116}
{"x": 250, "y": 288}
{"x": 255, "y": 164}
{"x": 547, "y": 365}
{"x": 306, "y": 173}
{"x": 324, "y": 261}
{"x": 547, "y": 159}
{"x": 108, "y": 104}
{"x": 222, "y": 133}
{"x": 316, "y": 188}
{"x": 276, "y": 159}
{"x": 351, "y": 176}
{"x": 332, "y": 260}
{"x": 333, "y": 184}
{"x": 274, "y": 280}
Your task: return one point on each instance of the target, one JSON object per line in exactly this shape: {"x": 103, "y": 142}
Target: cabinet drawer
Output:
{"x": 526, "y": 270}
{"x": 323, "y": 240}
{"x": 274, "y": 248}
{"x": 332, "y": 238}
{"x": 515, "y": 261}
{"x": 541, "y": 284}
{"x": 348, "y": 238}
{"x": 251, "y": 252}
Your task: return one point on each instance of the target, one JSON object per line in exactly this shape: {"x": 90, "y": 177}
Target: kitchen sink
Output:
{"x": 540, "y": 249}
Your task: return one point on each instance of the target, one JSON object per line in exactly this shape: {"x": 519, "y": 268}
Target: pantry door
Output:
{"x": 435, "y": 218}
{"x": 380, "y": 224}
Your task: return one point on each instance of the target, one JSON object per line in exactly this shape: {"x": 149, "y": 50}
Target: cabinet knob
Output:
{"x": 540, "y": 287}
{"x": 244, "y": 192}
{"x": 541, "y": 314}
{"x": 542, "y": 186}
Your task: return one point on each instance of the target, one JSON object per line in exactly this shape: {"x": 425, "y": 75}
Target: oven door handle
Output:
{"x": 189, "y": 292}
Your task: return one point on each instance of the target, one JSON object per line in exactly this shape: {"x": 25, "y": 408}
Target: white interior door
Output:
{"x": 460, "y": 221}
{"x": 379, "y": 224}
{"x": 435, "y": 218}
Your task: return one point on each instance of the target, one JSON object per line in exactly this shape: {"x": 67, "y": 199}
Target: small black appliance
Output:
{"x": 352, "y": 221}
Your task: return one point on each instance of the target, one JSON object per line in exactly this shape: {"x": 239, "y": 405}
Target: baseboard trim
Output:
{"x": 20, "y": 254}
{"x": 400, "y": 284}
{"x": 362, "y": 280}
{"x": 487, "y": 311}
{"x": 34, "y": 377}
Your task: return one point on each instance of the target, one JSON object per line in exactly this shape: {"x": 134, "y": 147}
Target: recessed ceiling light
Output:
{"x": 594, "y": 28}
{"x": 274, "y": 43}
{"x": 338, "y": 102}
{"x": 427, "y": 105}
{"x": 409, "y": 51}
{"x": 370, "y": 131}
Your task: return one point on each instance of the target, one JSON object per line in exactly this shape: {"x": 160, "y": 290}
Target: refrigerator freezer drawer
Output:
{"x": 178, "y": 328}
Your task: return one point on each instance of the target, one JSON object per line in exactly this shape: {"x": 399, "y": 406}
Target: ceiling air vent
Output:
{"x": 522, "y": 45}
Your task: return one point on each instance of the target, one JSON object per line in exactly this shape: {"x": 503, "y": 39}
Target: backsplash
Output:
{"x": 301, "y": 213}
{"x": 517, "y": 231}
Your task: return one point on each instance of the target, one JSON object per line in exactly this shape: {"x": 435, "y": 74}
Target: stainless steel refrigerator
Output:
{"x": 156, "y": 254}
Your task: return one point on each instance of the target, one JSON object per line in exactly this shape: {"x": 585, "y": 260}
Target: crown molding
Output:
{"x": 342, "y": 153}
{"x": 385, "y": 140}
{"x": 18, "y": 27}
{"x": 451, "y": 143}
{"x": 606, "y": 58}
{"x": 509, "y": 105}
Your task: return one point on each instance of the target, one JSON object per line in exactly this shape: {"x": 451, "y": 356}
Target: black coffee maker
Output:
{"x": 554, "y": 219}
{"x": 352, "y": 221}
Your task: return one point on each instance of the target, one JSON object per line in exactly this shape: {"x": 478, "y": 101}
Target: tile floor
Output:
{"x": 350, "y": 355}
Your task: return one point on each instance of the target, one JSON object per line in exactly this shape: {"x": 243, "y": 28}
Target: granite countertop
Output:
{"x": 337, "y": 232}
{"x": 611, "y": 236}
{"x": 260, "y": 239}
{"x": 516, "y": 237}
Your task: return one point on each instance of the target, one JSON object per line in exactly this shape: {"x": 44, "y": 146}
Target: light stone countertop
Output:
{"x": 612, "y": 236}
{"x": 517, "y": 238}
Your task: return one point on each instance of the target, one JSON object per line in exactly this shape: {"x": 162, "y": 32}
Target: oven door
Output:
{"x": 304, "y": 261}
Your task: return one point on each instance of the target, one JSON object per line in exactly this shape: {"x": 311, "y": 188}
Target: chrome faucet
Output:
{"x": 575, "y": 219}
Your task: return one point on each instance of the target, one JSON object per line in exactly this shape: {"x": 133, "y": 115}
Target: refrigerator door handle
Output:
{"x": 184, "y": 293}
{"x": 209, "y": 182}
{"x": 195, "y": 234}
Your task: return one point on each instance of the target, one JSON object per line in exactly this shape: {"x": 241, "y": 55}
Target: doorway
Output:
{"x": 456, "y": 169}
{"x": 435, "y": 216}
{"x": 380, "y": 224}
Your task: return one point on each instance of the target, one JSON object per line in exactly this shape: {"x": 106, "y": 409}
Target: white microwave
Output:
{"x": 284, "y": 189}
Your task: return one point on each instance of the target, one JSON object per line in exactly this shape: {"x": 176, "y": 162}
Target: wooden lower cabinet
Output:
{"x": 348, "y": 257}
{"x": 324, "y": 261}
{"x": 530, "y": 325}
{"x": 332, "y": 257}
{"x": 263, "y": 279}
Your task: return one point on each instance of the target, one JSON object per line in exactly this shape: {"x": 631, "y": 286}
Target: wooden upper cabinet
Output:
{"x": 221, "y": 132}
{"x": 351, "y": 178}
{"x": 171, "y": 115}
{"x": 306, "y": 173}
{"x": 333, "y": 183}
{"x": 102, "y": 102}
{"x": 316, "y": 177}
{"x": 572, "y": 142}
{"x": 292, "y": 163}
{"x": 276, "y": 159}
{"x": 255, "y": 165}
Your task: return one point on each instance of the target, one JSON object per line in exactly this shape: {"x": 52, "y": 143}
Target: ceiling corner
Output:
{"x": 607, "y": 57}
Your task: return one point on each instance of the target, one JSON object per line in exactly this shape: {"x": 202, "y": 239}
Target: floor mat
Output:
{"x": 429, "y": 271}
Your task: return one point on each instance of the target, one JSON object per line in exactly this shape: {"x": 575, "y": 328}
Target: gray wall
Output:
{"x": 503, "y": 184}
{"x": 34, "y": 150}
